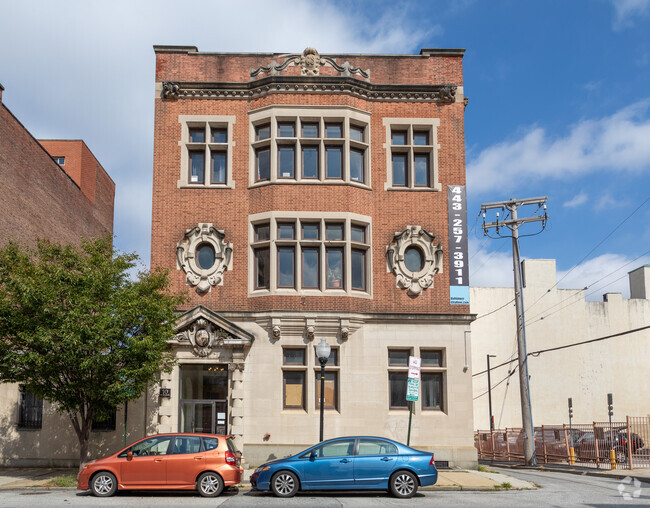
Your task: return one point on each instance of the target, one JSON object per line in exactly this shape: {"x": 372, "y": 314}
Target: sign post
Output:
{"x": 412, "y": 389}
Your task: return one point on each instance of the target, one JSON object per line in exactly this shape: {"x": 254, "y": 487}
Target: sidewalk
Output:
{"x": 643, "y": 475}
{"x": 19, "y": 478}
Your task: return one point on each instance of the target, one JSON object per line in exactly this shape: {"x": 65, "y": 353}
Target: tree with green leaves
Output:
{"x": 78, "y": 330}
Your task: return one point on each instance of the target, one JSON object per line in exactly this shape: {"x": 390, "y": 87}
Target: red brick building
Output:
{"x": 44, "y": 199}
{"x": 53, "y": 190}
{"x": 301, "y": 197}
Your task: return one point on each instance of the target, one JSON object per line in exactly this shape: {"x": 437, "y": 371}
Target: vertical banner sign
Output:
{"x": 458, "y": 267}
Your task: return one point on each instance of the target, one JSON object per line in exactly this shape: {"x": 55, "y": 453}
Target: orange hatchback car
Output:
{"x": 205, "y": 462}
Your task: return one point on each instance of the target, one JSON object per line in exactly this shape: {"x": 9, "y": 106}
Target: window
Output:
{"x": 432, "y": 379}
{"x": 330, "y": 390}
{"x": 376, "y": 447}
{"x": 305, "y": 254}
{"x": 30, "y": 411}
{"x": 186, "y": 444}
{"x": 310, "y": 145}
{"x": 105, "y": 424}
{"x": 432, "y": 374}
{"x": 293, "y": 378}
{"x": 59, "y": 160}
{"x": 331, "y": 383}
{"x": 431, "y": 390}
{"x": 158, "y": 445}
{"x": 411, "y": 154}
{"x": 397, "y": 382}
{"x": 206, "y": 151}
{"x": 342, "y": 448}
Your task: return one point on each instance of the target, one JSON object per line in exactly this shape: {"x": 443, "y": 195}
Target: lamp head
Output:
{"x": 323, "y": 350}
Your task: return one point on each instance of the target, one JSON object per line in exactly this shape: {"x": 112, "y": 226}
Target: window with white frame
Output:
{"x": 412, "y": 154}
{"x": 310, "y": 253}
{"x": 206, "y": 151}
{"x": 310, "y": 145}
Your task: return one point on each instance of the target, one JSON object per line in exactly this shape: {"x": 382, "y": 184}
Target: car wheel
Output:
{"x": 103, "y": 484}
{"x": 403, "y": 484}
{"x": 284, "y": 484}
{"x": 209, "y": 484}
{"x": 621, "y": 456}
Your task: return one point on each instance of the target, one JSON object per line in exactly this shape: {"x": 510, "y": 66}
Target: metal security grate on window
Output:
{"x": 30, "y": 415}
{"x": 107, "y": 424}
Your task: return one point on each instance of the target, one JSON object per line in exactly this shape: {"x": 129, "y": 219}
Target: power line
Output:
{"x": 537, "y": 353}
{"x": 495, "y": 310}
{"x": 589, "y": 253}
{"x": 494, "y": 386}
{"x": 590, "y": 285}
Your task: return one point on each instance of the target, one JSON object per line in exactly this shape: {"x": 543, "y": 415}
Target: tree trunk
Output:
{"x": 83, "y": 435}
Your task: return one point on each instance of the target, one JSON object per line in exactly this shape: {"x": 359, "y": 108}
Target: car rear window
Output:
{"x": 210, "y": 443}
{"x": 231, "y": 445}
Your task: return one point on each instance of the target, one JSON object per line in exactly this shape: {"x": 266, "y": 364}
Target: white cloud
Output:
{"x": 615, "y": 143}
{"x": 490, "y": 268}
{"x": 606, "y": 273}
{"x": 85, "y": 70}
{"x": 577, "y": 200}
{"x": 627, "y": 11}
{"x": 607, "y": 202}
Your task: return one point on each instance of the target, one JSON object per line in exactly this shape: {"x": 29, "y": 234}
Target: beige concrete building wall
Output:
{"x": 56, "y": 443}
{"x": 587, "y": 373}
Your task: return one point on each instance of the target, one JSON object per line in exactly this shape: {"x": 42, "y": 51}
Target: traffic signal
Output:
{"x": 570, "y": 407}
{"x": 610, "y": 404}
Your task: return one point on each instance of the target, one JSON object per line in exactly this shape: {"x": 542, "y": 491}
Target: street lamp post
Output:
{"x": 490, "y": 392}
{"x": 323, "y": 350}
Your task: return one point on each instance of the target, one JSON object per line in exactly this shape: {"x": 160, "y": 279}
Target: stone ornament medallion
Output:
{"x": 414, "y": 259}
{"x": 206, "y": 270}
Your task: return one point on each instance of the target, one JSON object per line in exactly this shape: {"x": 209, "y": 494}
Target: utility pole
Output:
{"x": 513, "y": 224}
{"x": 490, "y": 391}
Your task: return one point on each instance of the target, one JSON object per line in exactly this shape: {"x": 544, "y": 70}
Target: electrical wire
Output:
{"x": 557, "y": 348}
{"x": 494, "y": 386}
{"x": 495, "y": 310}
{"x": 589, "y": 253}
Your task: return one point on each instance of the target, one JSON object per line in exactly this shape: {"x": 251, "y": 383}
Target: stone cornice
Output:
{"x": 443, "y": 93}
{"x": 354, "y": 316}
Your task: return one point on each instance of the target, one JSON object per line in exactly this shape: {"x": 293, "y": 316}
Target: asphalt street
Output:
{"x": 557, "y": 489}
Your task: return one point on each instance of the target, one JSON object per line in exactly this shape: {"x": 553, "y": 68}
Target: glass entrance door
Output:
{"x": 203, "y": 404}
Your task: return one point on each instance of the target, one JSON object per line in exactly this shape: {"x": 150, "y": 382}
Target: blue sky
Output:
{"x": 559, "y": 103}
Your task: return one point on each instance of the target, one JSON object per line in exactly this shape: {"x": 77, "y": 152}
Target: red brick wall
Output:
{"x": 39, "y": 200}
{"x": 175, "y": 210}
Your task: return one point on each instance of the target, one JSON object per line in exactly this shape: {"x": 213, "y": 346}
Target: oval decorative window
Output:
{"x": 414, "y": 259}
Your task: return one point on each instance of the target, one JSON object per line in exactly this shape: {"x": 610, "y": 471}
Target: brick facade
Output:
{"x": 39, "y": 198}
{"x": 175, "y": 210}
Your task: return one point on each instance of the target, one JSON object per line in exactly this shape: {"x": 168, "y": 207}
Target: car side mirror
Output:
{"x": 312, "y": 455}
{"x": 129, "y": 455}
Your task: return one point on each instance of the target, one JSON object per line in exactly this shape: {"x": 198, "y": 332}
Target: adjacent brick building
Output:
{"x": 42, "y": 199}
{"x": 53, "y": 190}
{"x": 302, "y": 197}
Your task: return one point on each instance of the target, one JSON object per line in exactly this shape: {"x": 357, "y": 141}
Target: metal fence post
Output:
{"x": 478, "y": 438}
{"x": 596, "y": 447}
{"x": 628, "y": 434}
{"x": 544, "y": 445}
{"x": 507, "y": 445}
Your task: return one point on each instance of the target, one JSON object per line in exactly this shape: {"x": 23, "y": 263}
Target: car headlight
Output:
{"x": 262, "y": 468}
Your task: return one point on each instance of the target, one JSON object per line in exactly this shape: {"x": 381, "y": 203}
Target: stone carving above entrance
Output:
{"x": 204, "y": 256}
{"x": 310, "y": 62}
{"x": 414, "y": 259}
{"x": 203, "y": 330}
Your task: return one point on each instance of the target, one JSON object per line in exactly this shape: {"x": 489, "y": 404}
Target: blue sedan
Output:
{"x": 349, "y": 463}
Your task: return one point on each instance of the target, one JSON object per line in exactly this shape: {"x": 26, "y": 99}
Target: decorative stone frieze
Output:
{"x": 310, "y": 325}
{"x": 205, "y": 235}
{"x": 310, "y": 62}
{"x": 445, "y": 94}
{"x": 414, "y": 259}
